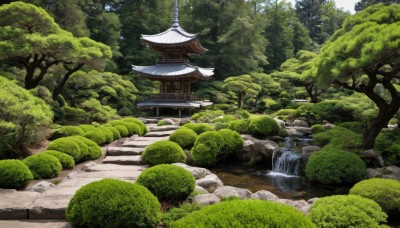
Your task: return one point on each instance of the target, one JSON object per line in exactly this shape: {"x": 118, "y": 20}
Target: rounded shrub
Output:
{"x": 94, "y": 150}
{"x": 113, "y": 203}
{"x": 185, "y": 137}
{"x": 317, "y": 128}
{"x": 142, "y": 125}
{"x": 385, "y": 192}
{"x": 123, "y": 131}
{"x": 71, "y": 130}
{"x": 177, "y": 213}
{"x": 43, "y": 166}
{"x": 162, "y": 123}
{"x": 332, "y": 166}
{"x": 241, "y": 126}
{"x": 14, "y": 174}
{"x": 163, "y": 152}
{"x": 233, "y": 141}
{"x": 108, "y": 133}
{"x": 97, "y": 136}
{"x": 199, "y": 128}
{"x": 132, "y": 127}
{"x": 67, "y": 162}
{"x": 264, "y": 126}
{"x": 116, "y": 134}
{"x": 207, "y": 148}
{"x": 87, "y": 127}
{"x": 168, "y": 182}
{"x": 66, "y": 146}
{"x": 245, "y": 213}
{"x": 83, "y": 148}
{"x": 346, "y": 211}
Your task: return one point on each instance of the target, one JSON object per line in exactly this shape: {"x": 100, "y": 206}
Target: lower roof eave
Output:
{"x": 174, "y": 104}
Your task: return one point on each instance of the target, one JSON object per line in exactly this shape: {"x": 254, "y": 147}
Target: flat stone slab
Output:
{"x": 113, "y": 167}
{"x": 116, "y": 174}
{"x": 76, "y": 182}
{"x": 16, "y": 205}
{"x": 50, "y": 206}
{"x": 140, "y": 144}
{"x": 35, "y": 224}
{"x": 159, "y": 133}
{"x": 151, "y": 138}
{"x": 117, "y": 151}
{"x": 123, "y": 160}
{"x": 152, "y": 121}
{"x": 163, "y": 128}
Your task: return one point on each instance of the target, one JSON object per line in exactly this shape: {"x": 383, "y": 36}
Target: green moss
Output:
{"x": 142, "y": 125}
{"x": 263, "y": 126}
{"x": 94, "y": 150}
{"x": 207, "y": 147}
{"x": 199, "y": 128}
{"x": 339, "y": 138}
{"x": 67, "y": 162}
{"x": 168, "y": 182}
{"x": 162, "y": 123}
{"x": 43, "y": 166}
{"x": 87, "y": 127}
{"x": 317, "y": 128}
{"x": 233, "y": 141}
{"x": 241, "y": 126}
{"x": 108, "y": 133}
{"x": 163, "y": 152}
{"x": 177, "y": 213}
{"x": 352, "y": 126}
{"x": 97, "y": 136}
{"x": 83, "y": 148}
{"x": 71, "y": 130}
{"x": 185, "y": 137}
{"x": 113, "y": 203}
{"x": 66, "y": 146}
{"x": 123, "y": 131}
{"x": 14, "y": 174}
{"x": 116, "y": 134}
{"x": 346, "y": 211}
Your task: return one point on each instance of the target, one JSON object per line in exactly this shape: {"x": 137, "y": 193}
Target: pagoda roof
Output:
{"x": 173, "y": 71}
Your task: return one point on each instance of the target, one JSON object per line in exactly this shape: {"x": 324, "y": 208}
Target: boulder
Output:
{"x": 307, "y": 151}
{"x": 227, "y": 191}
{"x": 391, "y": 172}
{"x": 280, "y": 122}
{"x": 255, "y": 150}
{"x": 300, "y": 205}
{"x": 197, "y": 172}
{"x": 168, "y": 121}
{"x": 293, "y": 133}
{"x": 370, "y": 155}
{"x": 210, "y": 182}
{"x": 328, "y": 126}
{"x": 300, "y": 123}
{"x": 264, "y": 195}
{"x": 184, "y": 121}
{"x": 200, "y": 190}
{"x": 372, "y": 173}
{"x": 206, "y": 199}
{"x": 42, "y": 186}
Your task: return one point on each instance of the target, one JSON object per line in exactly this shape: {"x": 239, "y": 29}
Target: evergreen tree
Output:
{"x": 362, "y": 4}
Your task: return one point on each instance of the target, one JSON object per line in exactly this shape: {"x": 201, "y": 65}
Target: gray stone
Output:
{"x": 312, "y": 200}
{"x": 35, "y": 224}
{"x": 7, "y": 191}
{"x": 206, "y": 199}
{"x": 15, "y": 205}
{"x": 300, "y": 123}
{"x": 42, "y": 186}
{"x": 310, "y": 149}
{"x": 293, "y": 133}
{"x": 169, "y": 121}
{"x": 138, "y": 144}
{"x": 159, "y": 133}
{"x": 280, "y": 122}
{"x": 185, "y": 121}
{"x": 209, "y": 182}
{"x": 123, "y": 160}
{"x": 391, "y": 172}
{"x": 163, "y": 128}
{"x": 200, "y": 190}
{"x": 116, "y": 174}
{"x": 50, "y": 207}
{"x": 264, "y": 195}
{"x": 118, "y": 151}
{"x": 149, "y": 121}
{"x": 300, "y": 205}
{"x": 89, "y": 164}
{"x": 227, "y": 191}
{"x": 371, "y": 173}
{"x": 151, "y": 138}
{"x": 113, "y": 168}
{"x": 304, "y": 131}
{"x": 328, "y": 126}
{"x": 197, "y": 172}
{"x": 255, "y": 150}
{"x": 74, "y": 183}
{"x": 72, "y": 174}
{"x": 143, "y": 120}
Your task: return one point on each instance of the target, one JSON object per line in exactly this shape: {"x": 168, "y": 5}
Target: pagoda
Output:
{"x": 173, "y": 70}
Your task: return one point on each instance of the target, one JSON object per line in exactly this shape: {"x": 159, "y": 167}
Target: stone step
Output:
{"x": 16, "y": 205}
{"x": 138, "y": 144}
{"x": 150, "y": 138}
{"x": 35, "y": 224}
{"x": 118, "y": 151}
{"x": 123, "y": 160}
{"x": 115, "y": 174}
{"x": 163, "y": 128}
{"x": 113, "y": 167}
{"x": 159, "y": 133}
{"x": 152, "y": 120}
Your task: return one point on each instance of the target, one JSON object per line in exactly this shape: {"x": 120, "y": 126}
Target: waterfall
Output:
{"x": 286, "y": 162}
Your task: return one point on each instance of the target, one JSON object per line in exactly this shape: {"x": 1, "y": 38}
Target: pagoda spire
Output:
{"x": 176, "y": 15}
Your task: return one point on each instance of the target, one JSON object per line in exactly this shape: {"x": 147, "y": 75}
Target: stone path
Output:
{"x": 47, "y": 209}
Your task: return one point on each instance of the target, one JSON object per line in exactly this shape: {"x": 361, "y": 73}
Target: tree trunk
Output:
{"x": 240, "y": 101}
{"x": 377, "y": 124}
{"x": 57, "y": 89}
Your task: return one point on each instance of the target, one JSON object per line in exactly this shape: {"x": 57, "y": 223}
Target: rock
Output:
{"x": 197, "y": 172}
{"x": 143, "y": 120}
{"x": 304, "y": 131}
{"x": 264, "y": 195}
{"x": 72, "y": 174}
{"x": 168, "y": 121}
{"x": 312, "y": 200}
{"x": 227, "y": 191}
{"x": 16, "y": 205}
{"x": 138, "y": 144}
{"x": 300, "y": 123}
{"x": 391, "y": 172}
{"x": 300, "y": 205}
{"x": 185, "y": 121}
{"x": 209, "y": 182}
{"x": 380, "y": 161}
{"x": 293, "y": 133}
{"x": 200, "y": 190}
{"x": 280, "y": 122}
{"x": 206, "y": 199}
{"x": 289, "y": 123}
{"x": 42, "y": 186}
{"x": 328, "y": 126}
{"x": 7, "y": 191}
{"x": 310, "y": 149}
{"x": 89, "y": 164}
{"x": 118, "y": 151}
{"x": 35, "y": 224}
{"x": 159, "y": 133}
{"x": 371, "y": 173}
{"x": 255, "y": 150}
{"x": 370, "y": 155}
{"x": 123, "y": 160}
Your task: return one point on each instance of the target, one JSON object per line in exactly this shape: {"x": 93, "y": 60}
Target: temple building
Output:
{"x": 173, "y": 70}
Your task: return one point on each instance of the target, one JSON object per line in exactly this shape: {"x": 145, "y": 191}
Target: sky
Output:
{"x": 347, "y": 5}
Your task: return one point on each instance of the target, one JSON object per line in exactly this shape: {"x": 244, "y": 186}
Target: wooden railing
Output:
{"x": 172, "y": 61}
{"x": 176, "y": 97}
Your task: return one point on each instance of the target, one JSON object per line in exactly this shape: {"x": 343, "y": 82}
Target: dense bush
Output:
{"x": 113, "y": 203}
{"x": 353, "y": 126}
{"x": 185, "y": 137}
{"x": 346, "y": 211}
{"x": 43, "y": 166}
{"x": 14, "y": 174}
{"x": 83, "y": 148}
{"x": 383, "y": 191}
{"x": 123, "y": 131}
{"x": 199, "y": 128}
{"x": 66, "y": 146}
{"x": 132, "y": 127}
{"x": 108, "y": 133}
{"x": 162, "y": 123}
{"x": 317, "y": 128}
{"x": 207, "y": 116}
{"x": 71, "y": 130}
{"x": 98, "y": 112}
{"x": 332, "y": 166}
{"x": 245, "y": 213}
{"x": 116, "y": 134}
{"x": 233, "y": 141}
{"x": 94, "y": 150}
{"x": 142, "y": 125}
{"x": 87, "y": 127}
{"x": 339, "y": 138}
{"x": 241, "y": 126}
{"x": 168, "y": 182}
{"x": 207, "y": 148}
{"x": 387, "y": 144}
{"x": 97, "y": 136}
{"x": 163, "y": 152}
{"x": 177, "y": 213}
{"x": 264, "y": 126}
{"x": 67, "y": 162}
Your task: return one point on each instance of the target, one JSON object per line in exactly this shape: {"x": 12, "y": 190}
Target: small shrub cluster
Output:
{"x": 113, "y": 203}
{"x": 168, "y": 182}
{"x": 339, "y": 138}
{"x": 162, "y": 123}
{"x": 94, "y": 150}
{"x": 206, "y": 148}
{"x": 97, "y": 136}
{"x": 142, "y": 125}
{"x": 14, "y": 174}
{"x": 163, "y": 152}
{"x": 177, "y": 213}
{"x": 86, "y": 127}
{"x": 71, "y": 130}
{"x": 346, "y": 211}
{"x": 66, "y": 146}
{"x": 207, "y": 116}
{"x": 78, "y": 147}
{"x": 132, "y": 127}
{"x": 199, "y": 128}
{"x": 264, "y": 126}
{"x": 233, "y": 142}
{"x": 43, "y": 166}
{"x": 184, "y": 137}
{"x": 317, "y": 128}
{"x": 67, "y": 162}
{"x": 241, "y": 126}
{"x": 387, "y": 144}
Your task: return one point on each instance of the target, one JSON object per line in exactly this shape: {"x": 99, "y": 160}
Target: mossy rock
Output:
{"x": 199, "y": 128}
{"x": 67, "y": 162}
{"x": 185, "y": 137}
{"x": 163, "y": 152}
{"x": 43, "y": 166}
{"x": 241, "y": 126}
{"x": 233, "y": 141}
{"x": 66, "y": 146}
{"x": 14, "y": 174}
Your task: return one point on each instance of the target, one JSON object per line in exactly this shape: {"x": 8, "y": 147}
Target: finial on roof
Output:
{"x": 176, "y": 15}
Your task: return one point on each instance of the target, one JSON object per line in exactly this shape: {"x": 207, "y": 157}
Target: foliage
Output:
{"x": 162, "y": 123}
{"x": 66, "y": 146}
{"x": 86, "y": 127}
{"x": 113, "y": 203}
{"x": 108, "y": 133}
{"x": 242, "y": 86}
{"x": 94, "y": 150}
{"x": 116, "y": 134}
{"x": 199, "y": 128}
{"x": 71, "y": 130}
{"x": 137, "y": 121}
{"x": 339, "y": 138}
{"x": 14, "y": 174}
{"x": 207, "y": 116}
{"x": 245, "y": 213}
{"x": 232, "y": 142}
{"x": 207, "y": 148}
{"x": 83, "y": 148}
{"x": 387, "y": 144}
{"x": 317, "y": 128}
{"x": 98, "y": 112}
{"x": 163, "y": 152}
{"x": 66, "y": 161}
{"x": 132, "y": 127}
{"x": 184, "y": 137}
{"x": 333, "y": 166}
{"x": 168, "y": 182}
{"x": 97, "y": 136}
{"x": 241, "y": 126}
{"x": 263, "y": 126}
{"x": 353, "y": 126}
{"x": 43, "y": 166}
{"x": 346, "y": 211}
{"x": 123, "y": 131}
{"x": 179, "y": 212}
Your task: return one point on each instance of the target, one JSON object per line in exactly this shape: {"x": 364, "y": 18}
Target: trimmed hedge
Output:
{"x": 241, "y": 126}
{"x": 207, "y": 148}
{"x": 233, "y": 141}
{"x": 168, "y": 182}
{"x": 66, "y": 146}
{"x": 332, "y": 166}
{"x": 43, "y": 166}
{"x": 83, "y": 148}
{"x": 97, "y": 136}
{"x": 346, "y": 211}
{"x": 113, "y": 203}
{"x": 71, "y": 130}
{"x": 67, "y": 162}
{"x": 177, "y": 213}
{"x": 132, "y": 127}
{"x": 245, "y": 213}
{"x": 163, "y": 152}
{"x": 185, "y": 137}
{"x": 142, "y": 125}
{"x": 14, "y": 174}
{"x": 264, "y": 126}
{"x": 94, "y": 150}
{"x": 199, "y": 128}
{"x": 116, "y": 134}
{"x": 123, "y": 131}
{"x": 383, "y": 191}
{"x": 87, "y": 127}
{"x": 108, "y": 133}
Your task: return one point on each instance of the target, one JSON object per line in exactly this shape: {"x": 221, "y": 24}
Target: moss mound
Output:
{"x": 163, "y": 152}
{"x": 71, "y": 130}
{"x": 132, "y": 127}
{"x": 14, "y": 174}
{"x": 233, "y": 141}
{"x": 113, "y": 203}
{"x": 142, "y": 125}
{"x": 94, "y": 150}
{"x": 67, "y": 162}
{"x": 83, "y": 148}
{"x": 241, "y": 126}
{"x": 97, "y": 136}
{"x": 43, "y": 166}
{"x": 245, "y": 213}
{"x": 168, "y": 182}
{"x": 185, "y": 137}
{"x": 177, "y": 213}
{"x": 87, "y": 127}
{"x": 108, "y": 133}
{"x": 207, "y": 148}
{"x": 346, "y": 211}
{"x": 199, "y": 128}
{"x": 123, "y": 131}
{"x": 116, "y": 134}
{"x": 263, "y": 126}
{"x": 66, "y": 146}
